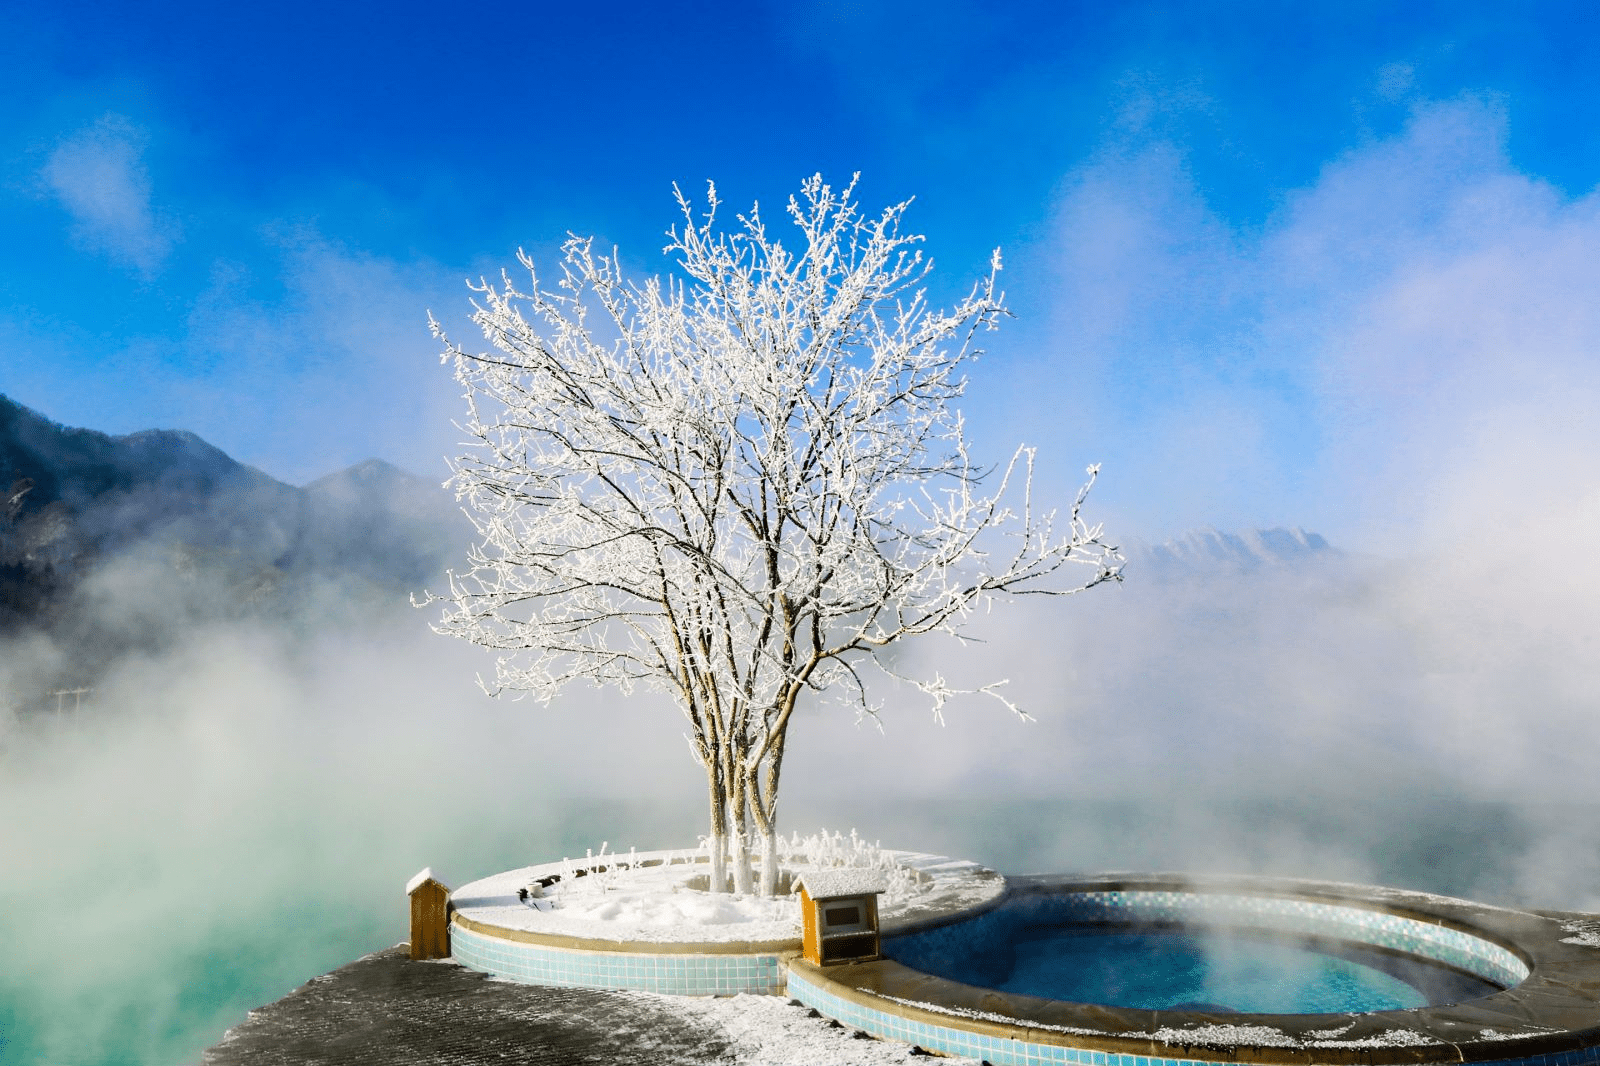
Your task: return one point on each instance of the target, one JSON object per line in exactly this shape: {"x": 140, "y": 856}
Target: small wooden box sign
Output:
{"x": 839, "y": 915}
{"x": 430, "y": 916}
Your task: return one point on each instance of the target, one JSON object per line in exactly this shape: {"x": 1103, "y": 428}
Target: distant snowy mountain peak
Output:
{"x": 1208, "y": 549}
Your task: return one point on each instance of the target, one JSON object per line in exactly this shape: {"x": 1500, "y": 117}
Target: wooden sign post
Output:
{"x": 839, "y": 916}
{"x": 430, "y": 916}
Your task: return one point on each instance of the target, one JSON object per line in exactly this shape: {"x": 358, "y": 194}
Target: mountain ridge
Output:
{"x": 80, "y": 500}
{"x": 1207, "y": 549}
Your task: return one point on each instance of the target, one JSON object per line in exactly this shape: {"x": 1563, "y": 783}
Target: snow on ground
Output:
{"x": 771, "y": 1031}
{"x": 1226, "y": 1036}
{"x": 1267, "y": 1036}
{"x": 1585, "y": 931}
{"x": 1387, "y": 1038}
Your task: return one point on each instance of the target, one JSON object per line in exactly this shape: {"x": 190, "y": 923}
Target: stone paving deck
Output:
{"x": 386, "y": 1010}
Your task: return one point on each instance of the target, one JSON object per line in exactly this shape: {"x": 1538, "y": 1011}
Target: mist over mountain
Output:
{"x": 112, "y": 543}
{"x": 378, "y": 522}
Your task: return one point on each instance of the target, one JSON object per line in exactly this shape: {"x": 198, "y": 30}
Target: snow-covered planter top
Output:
{"x": 824, "y": 884}
{"x": 659, "y": 896}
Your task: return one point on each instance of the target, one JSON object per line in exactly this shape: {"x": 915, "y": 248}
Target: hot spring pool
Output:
{"x": 1177, "y": 970}
{"x": 1204, "y": 968}
{"x": 1211, "y": 953}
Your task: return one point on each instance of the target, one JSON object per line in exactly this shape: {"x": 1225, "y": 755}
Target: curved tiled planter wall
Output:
{"x": 675, "y": 969}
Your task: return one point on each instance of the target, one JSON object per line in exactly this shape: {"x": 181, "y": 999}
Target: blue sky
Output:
{"x": 1296, "y": 263}
{"x": 1314, "y": 264}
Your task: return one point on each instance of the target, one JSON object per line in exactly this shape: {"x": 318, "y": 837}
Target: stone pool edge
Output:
{"x": 1551, "y": 1019}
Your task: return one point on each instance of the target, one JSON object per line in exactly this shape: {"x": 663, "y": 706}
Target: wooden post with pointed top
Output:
{"x": 430, "y": 916}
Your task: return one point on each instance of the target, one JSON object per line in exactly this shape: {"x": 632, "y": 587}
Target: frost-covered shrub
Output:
{"x": 825, "y": 851}
{"x": 596, "y": 874}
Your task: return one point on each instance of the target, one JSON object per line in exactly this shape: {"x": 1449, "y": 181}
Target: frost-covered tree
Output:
{"x": 738, "y": 484}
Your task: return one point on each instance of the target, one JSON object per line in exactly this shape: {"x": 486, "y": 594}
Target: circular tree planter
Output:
{"x": 639, "y": 922}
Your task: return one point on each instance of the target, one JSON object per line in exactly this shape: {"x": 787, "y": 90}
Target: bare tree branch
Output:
{"x": 741, "y": 484}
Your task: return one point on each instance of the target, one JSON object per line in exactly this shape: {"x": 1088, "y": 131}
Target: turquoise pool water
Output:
{"x": 1211, "y": 970}
{"x": 1202, "y": 968}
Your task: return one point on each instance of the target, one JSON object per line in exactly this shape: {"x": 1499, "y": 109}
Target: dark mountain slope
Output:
{"x": 209, "y": 536}
{"x": 89, "y": 494}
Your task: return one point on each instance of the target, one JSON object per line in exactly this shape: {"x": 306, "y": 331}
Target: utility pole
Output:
{"x": 77, "y": 695}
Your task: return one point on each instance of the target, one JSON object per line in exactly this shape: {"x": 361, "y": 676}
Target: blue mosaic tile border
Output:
{"x": 684, "y": 975}
{"x": 1440, "y": 943}
{"x": 960, "y": 946}
{"x": 951, "y": 1039}
{"x": 948, "y": 1039}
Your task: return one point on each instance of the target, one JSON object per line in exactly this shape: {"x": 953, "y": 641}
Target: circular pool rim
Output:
{"x": 1552, "y": 1014}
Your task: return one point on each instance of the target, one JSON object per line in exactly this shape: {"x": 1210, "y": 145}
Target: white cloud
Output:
{"x": 347, "y": 350}
{"x": 1450, "y": 309}
{"x": 98, "y": 175}
{"x": 1410, "y": 336}
{"x": 1153, "y": 337}
{"x": 1406, "y": 353}
{"x": 1414, "y": 338}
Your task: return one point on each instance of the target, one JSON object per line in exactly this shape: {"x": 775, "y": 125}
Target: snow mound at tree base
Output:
{"x": 649, "y": 897}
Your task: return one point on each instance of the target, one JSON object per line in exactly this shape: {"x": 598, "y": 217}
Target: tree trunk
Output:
{"x": 718, "y": 876}
{"x": 742, "y": 883}
{"x": 764, "y": 807}
{"x": 769, "y": 862}
{"x": 739, "y": 833}
{"x": 717, "y": 879}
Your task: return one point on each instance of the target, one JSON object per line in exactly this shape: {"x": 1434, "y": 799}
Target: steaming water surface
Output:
{"x": 238, "y": 816}
{"x": 1231, "y": 970}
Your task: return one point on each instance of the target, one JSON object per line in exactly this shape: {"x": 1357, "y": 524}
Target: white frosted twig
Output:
{"x": 742, "y": 483}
